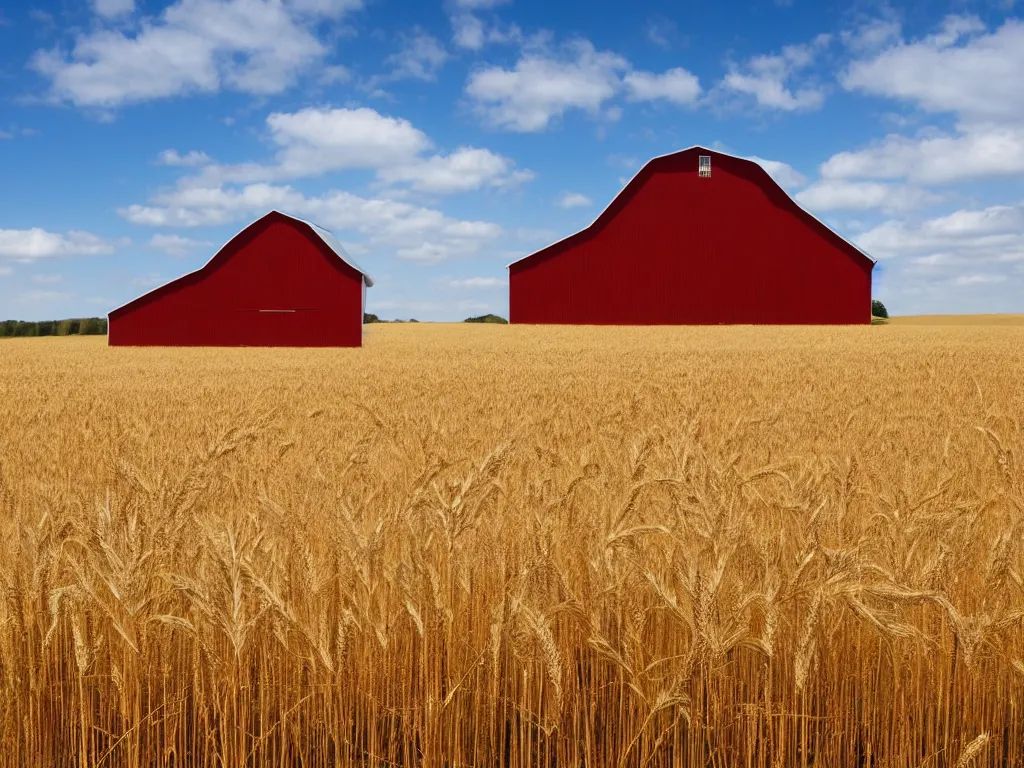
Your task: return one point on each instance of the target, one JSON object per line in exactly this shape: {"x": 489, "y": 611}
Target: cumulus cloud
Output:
{"x": 978, "y": 152}
{"x": 995, "y": 234}
{"x": 420, "y": 58}
{"x": 468, "y": 31}
{"x": 573, "y": 200}
{"x": 767, "y": 79}
{"x": 190, "y": 159}
{"x": 113, "y": 8}
{"x": 544, "y": 85}
{"x": 413, "y": 232}
{"x": 193, "y": 46}
{"x": 463, "y": 170}
{"x": 176, "y": 245}
{"x": 37, "y": 243}
{"x": 960, "y": 69}
{"x": 315, "y": 141}
{"x": 676, "y": 85}
{"x": 971, "y": 260}
{"x": 480, "y": 5}
{"x": 785, "y": 175}
{"x": 872, "y": 34}
{"x": 838, "y": 195}
{"x": 661, "y": 30}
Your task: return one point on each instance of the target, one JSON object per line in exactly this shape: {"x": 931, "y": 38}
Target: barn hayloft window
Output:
{"x": 704, "y": 168}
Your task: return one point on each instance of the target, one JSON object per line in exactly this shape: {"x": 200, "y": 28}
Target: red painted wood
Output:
{"x": 276, "y": 263}
{"x": 674, "y": 248}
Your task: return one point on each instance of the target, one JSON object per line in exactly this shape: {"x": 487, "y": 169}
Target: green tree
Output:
{"x": 878, "y": 309}
{"x": 91, "y": 326}
{"x": 486, "y": 319}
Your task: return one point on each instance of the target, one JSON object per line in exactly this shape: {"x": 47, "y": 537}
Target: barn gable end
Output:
{"x": 674, "y": 247}
{"x": 280, "y": 282}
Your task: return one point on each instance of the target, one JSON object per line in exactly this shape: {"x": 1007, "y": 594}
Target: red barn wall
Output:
{"x": 675, "y": 248}
{"x": 272, "y": 265}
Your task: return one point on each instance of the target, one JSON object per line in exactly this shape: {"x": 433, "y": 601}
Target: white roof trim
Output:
{"x": 326, "y": 236}
{"x": 676, "y": 152}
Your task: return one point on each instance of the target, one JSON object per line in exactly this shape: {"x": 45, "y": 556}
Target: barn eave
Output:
{"x": 324, "y": 235}
{"x": 644, "y": 167}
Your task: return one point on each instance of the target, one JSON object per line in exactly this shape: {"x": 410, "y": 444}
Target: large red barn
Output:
{"x": 696, "y": 237}
{"x": 280, "y": 282}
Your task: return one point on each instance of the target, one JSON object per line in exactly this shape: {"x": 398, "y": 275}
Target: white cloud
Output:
{"x": 970, "y": 260}
{"x": 478, "y": 282}
{"x": 413, "y": 232}
{"x": 676, "y": 85}
{"x": 660, "y": 31}
{"x": 463, "y": 170}
{"x": 838, "y": 195}
{"x": 785, "y": 175}
{"x": 329, "y": 9}
{"x": 113, "y": 8}
{"x": 995, "y": 234}
{"x": 190, "y": 159}
{"x": 46, "y": 279}
{"x": 335, "y": 73}
{"x": 314, "y": 141}
{"x": 36, "y": 243}
{"x": 543, "y": 86}
{"x": 176, "y": 245}
{"x": 468, "y": 31}
{"x": 983, "y": 151}
{"x": 958, "y": 70}
{"x": 573, "y": 200}
{"x": 4, "y": 271}
{"x": 194, "y": 46}
{"x": 767, "y": 78}
{"x": 480, "y": 5}
{"x": 6, "y": 135}
{"x": 342, "y": 138}
{"x": 421, "y": 57}
{"x": 872, "y": 35}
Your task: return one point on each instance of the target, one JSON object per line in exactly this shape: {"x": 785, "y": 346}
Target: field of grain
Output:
{"x": 507, "y": 546}
{"x": 958, "y": 320}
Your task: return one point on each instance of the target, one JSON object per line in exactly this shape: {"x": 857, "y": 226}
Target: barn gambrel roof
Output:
{"x": 652, "y": 165}
{"x": 327, "y": 237}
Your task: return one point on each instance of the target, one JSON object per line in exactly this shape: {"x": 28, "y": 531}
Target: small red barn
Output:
{"x": 280, "y": 282}
{"x": 696, "y": 237}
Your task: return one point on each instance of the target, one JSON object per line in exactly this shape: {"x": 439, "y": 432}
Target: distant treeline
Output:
{"x": 371, "y": 318}
{"x": 82, "y": 326}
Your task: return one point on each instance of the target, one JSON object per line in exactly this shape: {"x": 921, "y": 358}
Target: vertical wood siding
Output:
{"x": 675, "y": 248}
{"x": 277, "y": 264}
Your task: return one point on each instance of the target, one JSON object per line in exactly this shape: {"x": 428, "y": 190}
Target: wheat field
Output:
{"x": 507, "y": 546}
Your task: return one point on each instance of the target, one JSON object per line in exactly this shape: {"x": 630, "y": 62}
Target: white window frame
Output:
{"x": 704, "y": 166}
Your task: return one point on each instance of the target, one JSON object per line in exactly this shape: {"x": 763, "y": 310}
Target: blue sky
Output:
{"x": 442, "y": 139}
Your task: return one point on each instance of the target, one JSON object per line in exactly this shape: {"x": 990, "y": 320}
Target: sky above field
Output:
{"x": 442, "y": 139}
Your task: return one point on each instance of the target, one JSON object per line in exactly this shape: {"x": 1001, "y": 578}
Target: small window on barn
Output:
{"x": 704, "y": 168}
